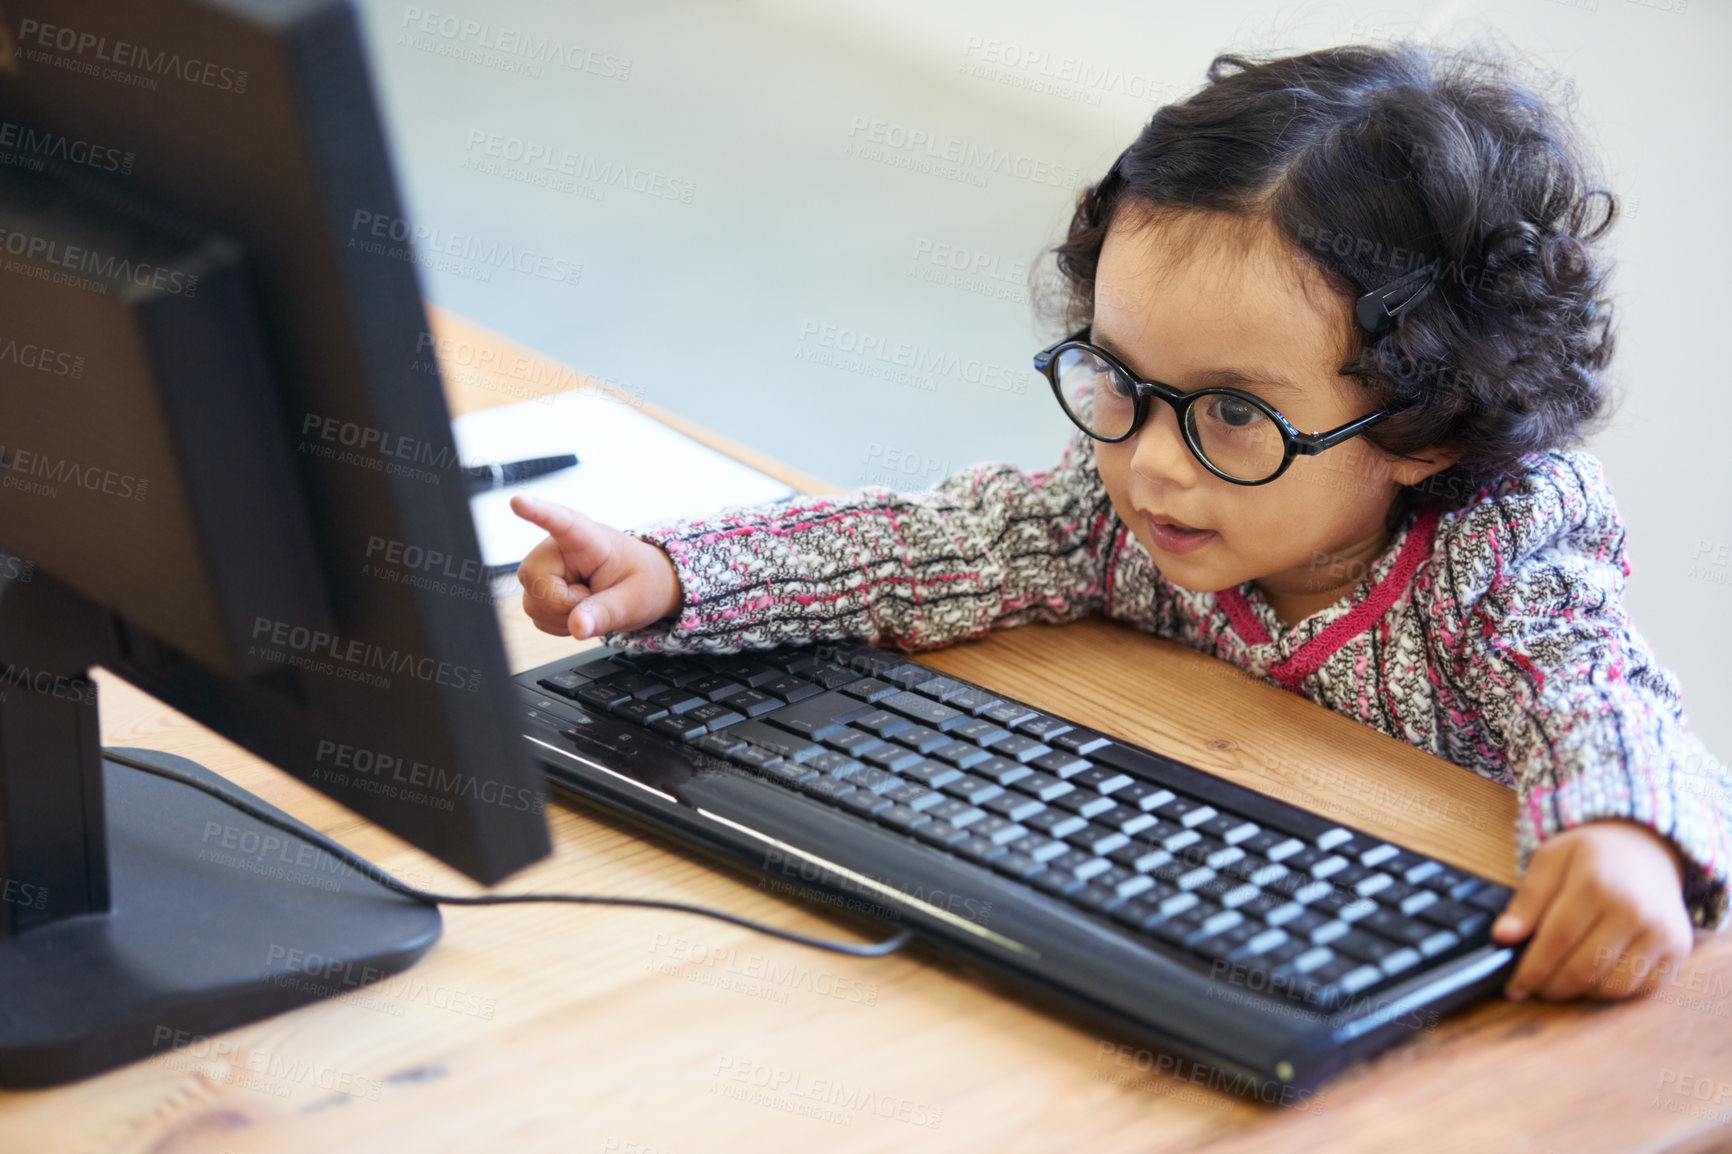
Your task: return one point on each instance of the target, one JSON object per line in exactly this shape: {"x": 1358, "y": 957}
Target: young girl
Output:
{"x": 1388, "y": 245}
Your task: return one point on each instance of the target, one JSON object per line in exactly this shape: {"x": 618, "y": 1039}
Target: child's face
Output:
{"x": 1305, "y": 537}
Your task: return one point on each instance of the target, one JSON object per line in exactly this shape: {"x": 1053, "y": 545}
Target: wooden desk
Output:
{"x": 535, "y": 1028}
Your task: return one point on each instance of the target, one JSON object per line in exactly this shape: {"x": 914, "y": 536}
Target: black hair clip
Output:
{"x": 1373, "y": 310}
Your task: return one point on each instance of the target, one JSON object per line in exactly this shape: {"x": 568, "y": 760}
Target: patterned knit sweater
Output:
{"x": 1493, "y": 636}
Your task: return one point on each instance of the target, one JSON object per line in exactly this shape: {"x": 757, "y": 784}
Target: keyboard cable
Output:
{"x": 379, "y": 877}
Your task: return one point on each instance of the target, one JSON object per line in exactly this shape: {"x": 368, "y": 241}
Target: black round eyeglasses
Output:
{"x": 1236, "y": 435}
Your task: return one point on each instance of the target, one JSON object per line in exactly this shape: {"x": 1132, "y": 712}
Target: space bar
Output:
{"x": 1217, "y": 791}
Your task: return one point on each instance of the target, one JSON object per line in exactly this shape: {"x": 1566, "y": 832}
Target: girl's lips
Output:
{"x": 1172, "y": 537}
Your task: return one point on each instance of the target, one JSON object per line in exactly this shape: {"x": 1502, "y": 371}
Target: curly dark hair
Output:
{"x": 1372, "y": 161}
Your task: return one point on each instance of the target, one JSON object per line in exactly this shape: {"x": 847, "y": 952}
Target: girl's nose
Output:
{"x": 1161, "y": 455}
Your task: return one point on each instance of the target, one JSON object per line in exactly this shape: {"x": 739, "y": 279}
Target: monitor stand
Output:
{"x": 138, "y": 914}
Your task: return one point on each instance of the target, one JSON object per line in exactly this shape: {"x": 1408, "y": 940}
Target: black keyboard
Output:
{"x": 1281, "y": 912}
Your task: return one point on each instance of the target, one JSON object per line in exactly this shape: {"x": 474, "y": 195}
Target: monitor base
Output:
{"x": 215, "y": 920}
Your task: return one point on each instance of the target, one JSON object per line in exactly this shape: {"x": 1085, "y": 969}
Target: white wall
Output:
{"x": 716, "y": 306}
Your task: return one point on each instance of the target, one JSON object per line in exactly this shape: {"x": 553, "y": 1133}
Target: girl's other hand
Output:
{"x": 1604, "y": 902}
{"x": 588, "y": 578}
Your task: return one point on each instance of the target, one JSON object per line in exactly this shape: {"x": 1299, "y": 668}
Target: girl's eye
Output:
{"x": 1234, "y": 413}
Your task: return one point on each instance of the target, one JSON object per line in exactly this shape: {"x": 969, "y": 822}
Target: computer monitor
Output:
{"x": 223, "y": 478}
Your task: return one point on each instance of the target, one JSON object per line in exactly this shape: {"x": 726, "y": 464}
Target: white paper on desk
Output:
{"x": 632, "y": 470}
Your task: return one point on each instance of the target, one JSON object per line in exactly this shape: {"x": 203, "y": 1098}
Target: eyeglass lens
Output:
{"x": 1235, "y": 436}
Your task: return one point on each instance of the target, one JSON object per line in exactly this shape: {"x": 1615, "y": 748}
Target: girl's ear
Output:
{"x": 1413, "y": 469}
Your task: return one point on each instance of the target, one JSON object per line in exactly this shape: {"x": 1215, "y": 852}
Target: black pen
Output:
{"x": 484, "y": 477}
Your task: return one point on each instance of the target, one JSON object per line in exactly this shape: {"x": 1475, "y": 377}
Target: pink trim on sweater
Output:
{"x": 1362, "y": 616}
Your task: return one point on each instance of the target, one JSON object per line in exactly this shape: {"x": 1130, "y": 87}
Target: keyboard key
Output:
{"x": 1421, "y": 872}
{"x": 940, "y": 688}
{"x": 1084, "y": 804}
{"x": 1142, "y": 795}
{"x": 754, "y": 758}
{"x": 973, "y": 701}
{"x": 1006, "y": 713}
{"x": 1330, "y": 838}
{"x": 796, "y": 749}
{"x": 677, "y": 700}
{"x": 679, "y": 728}
{"x": 829, "y": 676}
{"x": 906, "y": 674}
{"x": 826, "y": 788}
{"x": 973, "y": 790}
{"x": 1097, "y": 840}
{"x": 713, "y": 716}
{"x": 1490, "y": 897}
{"x": 1328, "y": 866}
{"x": 752, "y": 703}
{"x": 820, "y": 715}
{"x": 1016, "y": 865}
{"x": 1043, "y": 786}
{"x": 931, "y": 774}
{"x": 1055, "y": 823}
{"x": 1056, "y": 882}
{"x": 640, "y": 712}
{"x": 957, "y": 813}
{"x": 939, "y": 833}
{"x": 881, "y": 723}
{"x": 1462, "y": 920}
{"x": 1061, "y": 764}
{"x": 1418, "y": 900}
{"x": 978, "y": 849}
{"x": 960, "y": 754}
{"x": 1438, "y": 943}
{"x": 1328, "y": 931}
{"x": 876, "y": 780}
{"x": 1366, "y": 947}
{"x": 838, "y": 765}
{"x": 999, "y": 831}
{"x": 1259, "y": 943}
{"x": 864, "y": 802}
{"x": 978, "y": 731}
{"x": 1097, "y": 899}
{"x": 1041, "y": 726}
{"x": 923, "y": 710}
{"x": 920, "y": 738}
{"x": 914, "y": 796}
{"x": 715, "y": 687}
{"x": 869, "y": 690}
{"x": 1000, "y": 770}
{"x": 853, "y": 742}
{"x": 901, "y": 817}
{"x": 1100, "y": 778}
{"x": 788, "y": 773}
{"x": 1287, "y": 848}
{"x": 1219, "y": 825}
{"x": 1451, "y": 883}
{"x": 1126, "y": 820}
{"x": 1013, "y": 806}
{"x": 1185, "y": 811}
{"x": 1081, "y": 741}
{"x": 1404, "y": 931}
{"x": 1017, "y": 747}
{"x": 891, "y": 757}
{"x": 1377, "y": 855}
{"x": 720, "y": 744}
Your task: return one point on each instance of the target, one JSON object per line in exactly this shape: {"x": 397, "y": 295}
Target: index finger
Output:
{"x": 578, "y": 538}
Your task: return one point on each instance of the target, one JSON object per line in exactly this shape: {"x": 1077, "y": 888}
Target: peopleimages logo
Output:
{"x": 27, "y": 147}
{"x": 89, "y": 262}
{"x": 122, "y": 54}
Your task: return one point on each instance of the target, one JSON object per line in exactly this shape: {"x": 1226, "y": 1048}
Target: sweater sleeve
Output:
{"x": 990, "y": 547}
{"x": 1590, "y": 724}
